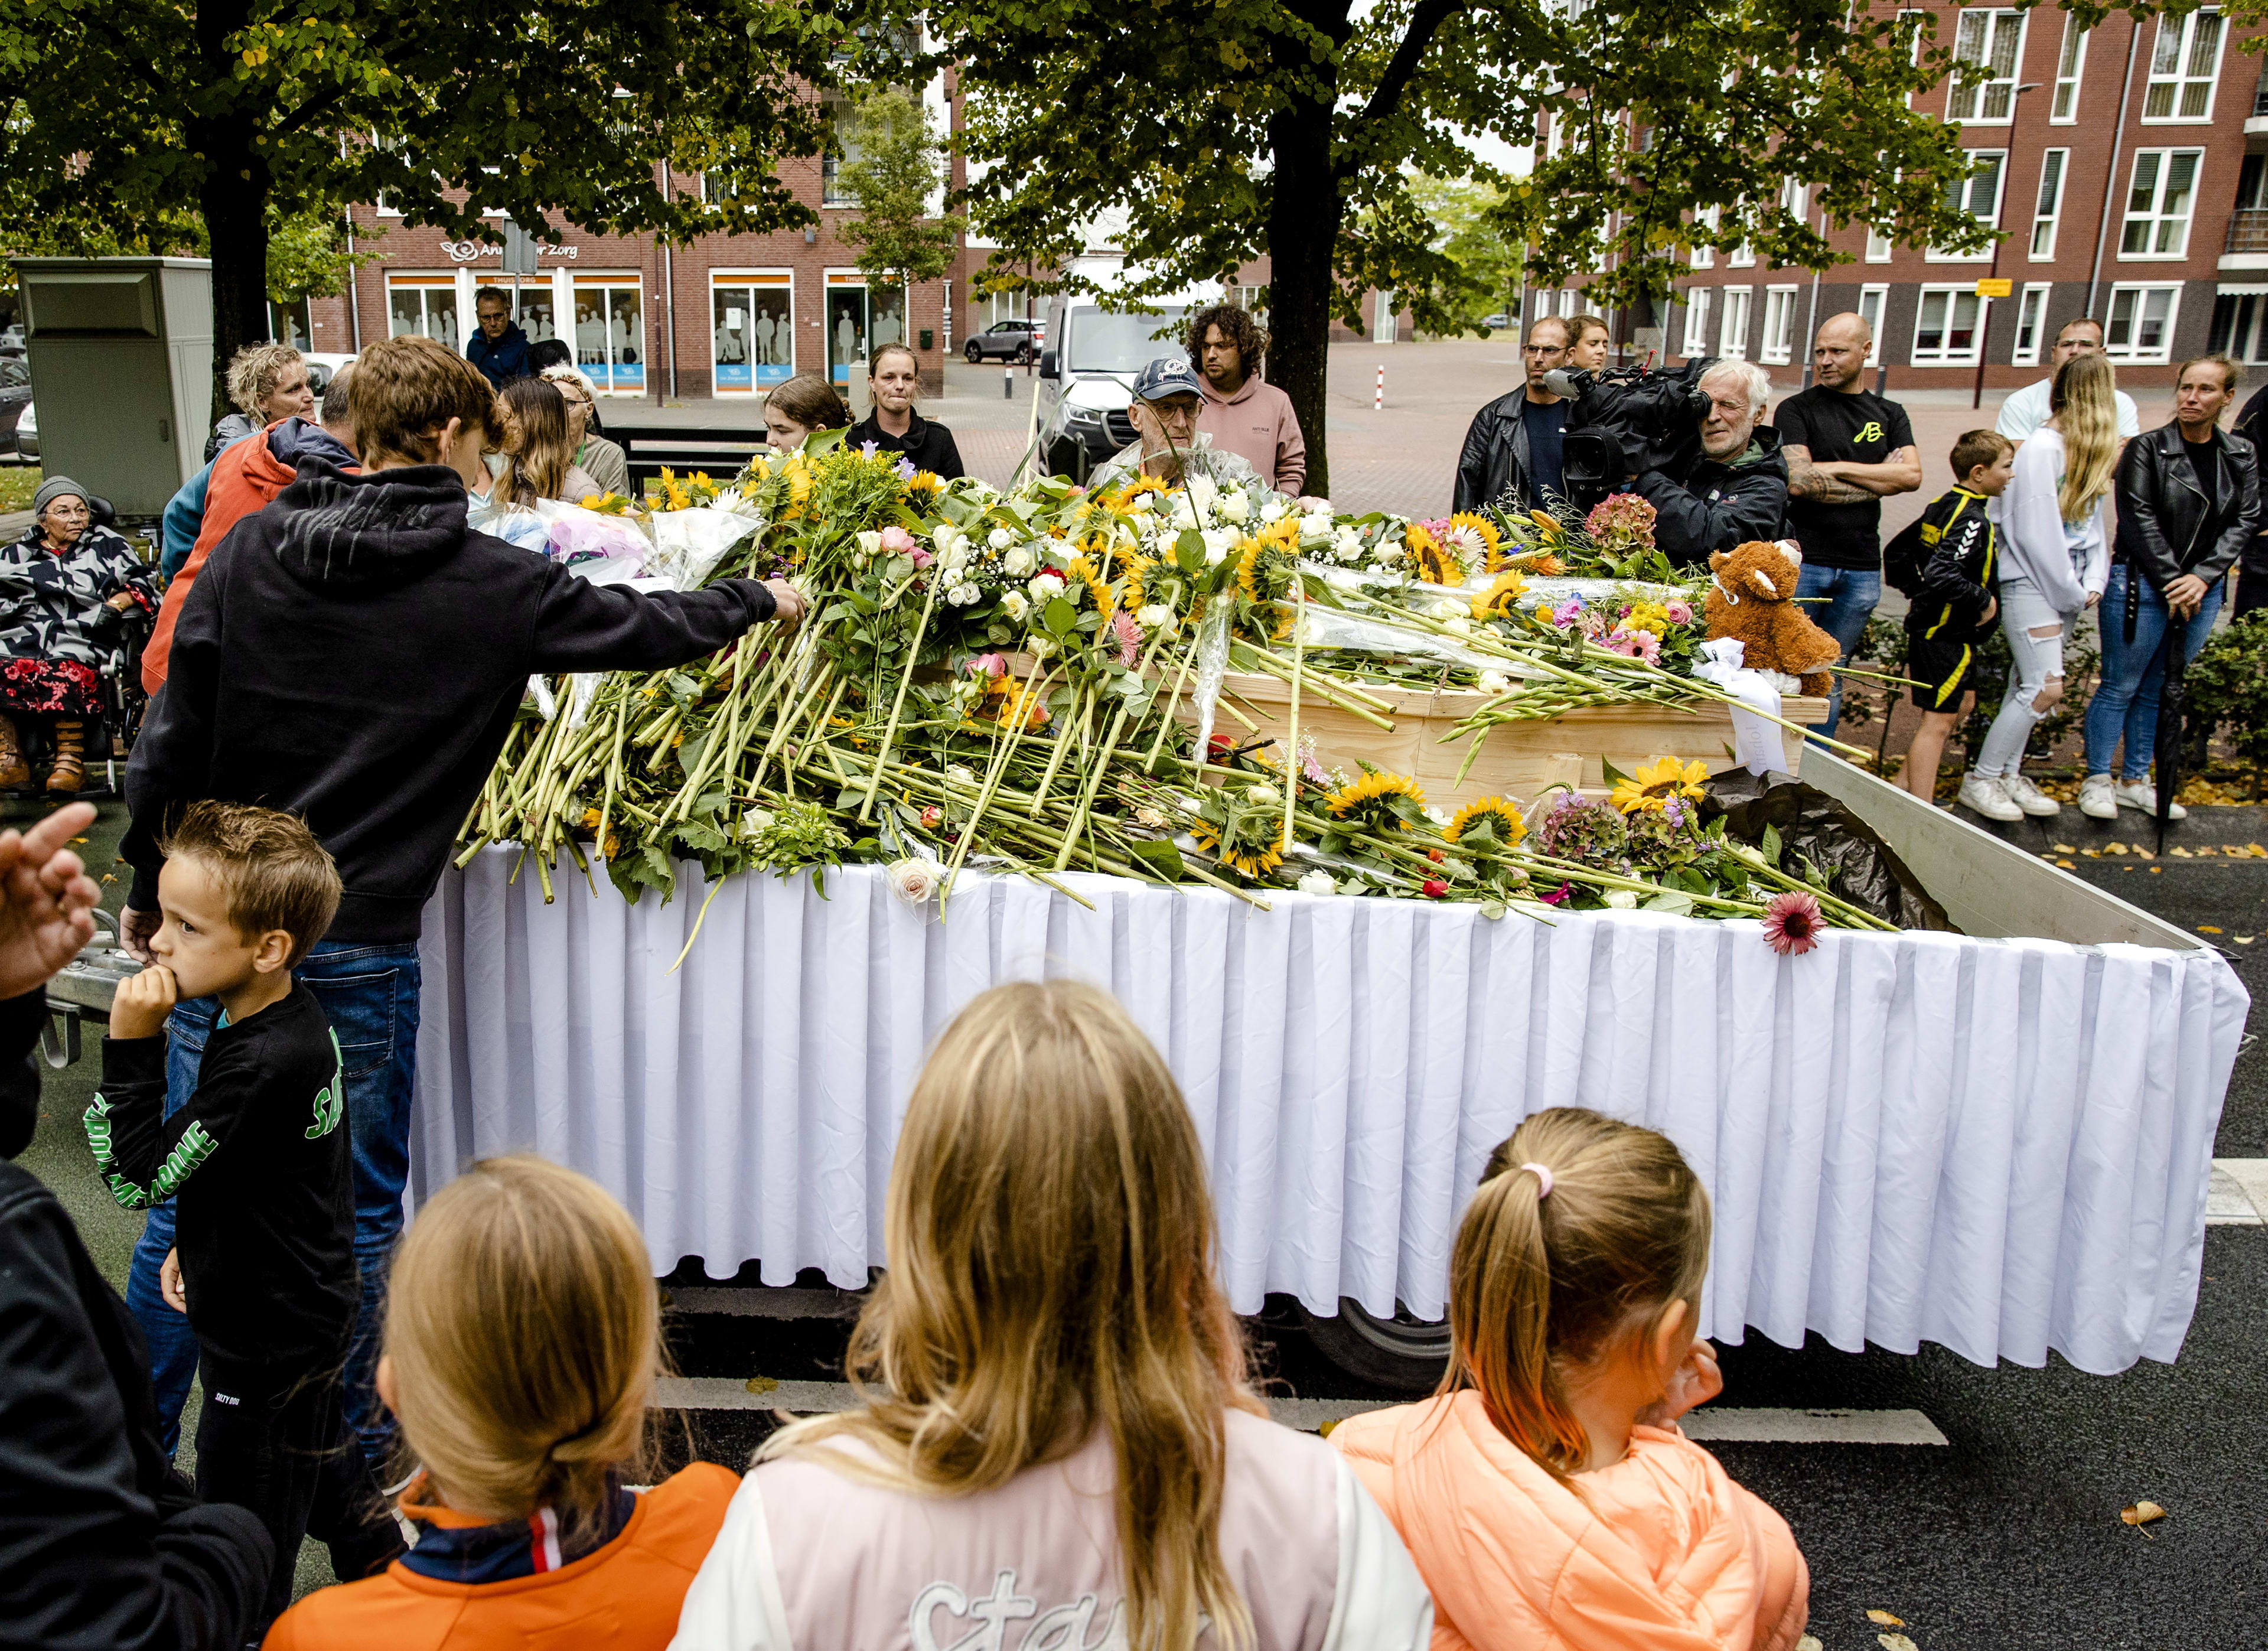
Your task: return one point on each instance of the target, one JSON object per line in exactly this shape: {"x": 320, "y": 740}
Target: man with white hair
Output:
{"x": 1737, "y": 490}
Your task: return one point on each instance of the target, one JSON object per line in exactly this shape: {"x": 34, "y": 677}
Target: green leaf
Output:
{"x": 1059, "y": 617}
{"x": 1770, "y": 845}
{"x": 1615, "y": 776}
{"x": 1675, "y": 902}
{"x": 1162, "y": 856}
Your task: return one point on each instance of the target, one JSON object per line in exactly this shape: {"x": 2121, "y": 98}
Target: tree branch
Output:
{"x": 1425, "y": 23}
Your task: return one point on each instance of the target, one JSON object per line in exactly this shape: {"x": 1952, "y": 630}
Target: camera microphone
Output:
{"x": 1566, "y": 381}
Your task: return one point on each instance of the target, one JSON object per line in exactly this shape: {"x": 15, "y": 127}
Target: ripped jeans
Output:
{"x": 2036, "y": 633}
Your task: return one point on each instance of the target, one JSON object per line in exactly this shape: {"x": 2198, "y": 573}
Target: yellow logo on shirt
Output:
{"x": 1871, "y": 430}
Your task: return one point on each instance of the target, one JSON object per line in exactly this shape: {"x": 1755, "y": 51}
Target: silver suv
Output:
{"x": 1086, "y": 376}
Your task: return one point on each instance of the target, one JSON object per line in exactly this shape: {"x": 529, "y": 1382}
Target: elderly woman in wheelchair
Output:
{"x": 65, "y": 588}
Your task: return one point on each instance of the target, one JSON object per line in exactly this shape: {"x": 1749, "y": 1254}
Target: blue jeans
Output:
{"x": 369, "y": 992}
{"x": 2134, "y": 672}
{"x": 1851, "y": 595}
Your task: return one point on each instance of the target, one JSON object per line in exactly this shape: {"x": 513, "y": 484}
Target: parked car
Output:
{"x": 15, "y": 398}
{"x": 322, "y": 369}
{"x": 27, "y": 434}
{"x": 1086, "y": 375}
{"x": 1497, "y": 323}
{"x": 1014, "y": 340}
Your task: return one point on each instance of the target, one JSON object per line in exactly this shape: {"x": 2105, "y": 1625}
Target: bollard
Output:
{"x": 1007, "y": 383}
{"x": 1378, "y": 401}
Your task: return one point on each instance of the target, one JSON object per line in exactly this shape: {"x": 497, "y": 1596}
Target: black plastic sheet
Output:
{"x": 1859, "y": 866}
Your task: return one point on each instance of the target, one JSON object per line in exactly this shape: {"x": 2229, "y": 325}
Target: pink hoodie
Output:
{"x": 1660, "y": 1552}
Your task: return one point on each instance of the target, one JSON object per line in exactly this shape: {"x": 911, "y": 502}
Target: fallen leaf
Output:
{"x": 2069, "y": 866}
{"x": 79, "y": 839}
{"x": 2093, "y": 854}
{"x": 2114, "y": 848}
{"x": 1895, "y": 1643}
{"x": 2208, "y": 928}
{"x": 109, "y": 877}
{"x": 2063, "y": 848}
{"x": 2257, "y": 852}
{"x": 1883, "y": 1619}
{"x": 2180, "y": 853}
{"x": 2144, "y": 853}
{"x": 2142, "y": 1513}
{"x": 2205, "y": 851}
{"x": 2243, "y": 940}
{"x": 2154, "y": 870}
{"x": 2235, "y": 850}
{"x": 762, "y": 1385}
{"x": 1810, "y": 1643}
{"x": 2047, "y": 854}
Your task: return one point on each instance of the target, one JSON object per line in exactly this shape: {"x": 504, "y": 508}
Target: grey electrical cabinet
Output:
{"x": 121, "y": 357}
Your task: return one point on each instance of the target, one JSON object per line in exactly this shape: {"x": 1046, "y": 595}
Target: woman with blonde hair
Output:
{"x": 522, "y": 1342}
{"x": 2055, "y": 557}
{"x": 266, "y": 382}
{"x": 1546, "y": 1491}
{"x": 538, "y": 443}
{"x": 1055, "y": 1428}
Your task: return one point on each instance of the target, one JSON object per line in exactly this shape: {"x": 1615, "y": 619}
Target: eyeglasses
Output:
{"x": 1542, "y": 349}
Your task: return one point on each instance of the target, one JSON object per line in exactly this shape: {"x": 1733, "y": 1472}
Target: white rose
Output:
{"x": 1232, "y": 505}
{"x": 1315, "y": 529}
{"x": 1272, "y": 508}
{"x": 914, "y": 881}
{"x": 1264, "y": 796}
{"x": 761, "y": 820}
{"x": 1347, "y": 547}
{"x": 1318, "y": 883}
{"x": 1495, "y": 682}
{"x": 1015, "y": 604}
{"x": 1019, "y": 561}
{"x": 1039, "y": 647}
{"x": 955, "y": 557}
{"x": 943, "y": 535}
{"x": 1045, "y": 588}
{"x": 1142, "y": 501}
{"x": 1458, "y": 626}
{"x": 1218, "y": 543}
{"x": 1000, "y": 538}
{"x": 962, "y": 595}
{"x": 1439, "y": 816}
{"x": 1621, "y": 899}
{"x": 870, "y": 542}
{"x": 1155, "y": 616}
{"x": 961, "y": 776}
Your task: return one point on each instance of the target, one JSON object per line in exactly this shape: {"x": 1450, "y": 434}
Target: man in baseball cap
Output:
{"x": 1167, "y": 397}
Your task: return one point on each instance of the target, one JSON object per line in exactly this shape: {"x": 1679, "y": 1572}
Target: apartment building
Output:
{"x": 2122, "y": 167}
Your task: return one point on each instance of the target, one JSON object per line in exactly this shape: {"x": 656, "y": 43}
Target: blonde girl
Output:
{"x": 1545, "y": 1492}
{"x": 538, "y": 457}
{"x": 522, "y": 1341}
{"x": 1056, "y": 1430}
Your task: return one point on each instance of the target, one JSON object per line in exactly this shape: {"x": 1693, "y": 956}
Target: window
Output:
{"x": 751, "y": 329}
{"x": 425, "y": 305}
{"x": 1995, "y": 40}
{"x": 1733, "y": 335}
{"x": 2157, "y": 223}
{"x": 2031, "y": 325}
{"x": 1779, "y": 327}
{"x": 1696, "y": 320}
{"x": 1706, "y": 257}
{"x": 831, "y": 192}
{"x": 2141, "y": 323}
{"x": 2048, "y": 204}
{"x": 1979, "y": 194}
{"x": 1744, "y": 257}
{"x": 1794, "y": 198}
{"x": 2071, "y": 63}
{"x": 1878, "y": 245}
{"x": 1873, "y": 303}
{"x": 2240, "y": 323}
{"x": 2184, "y": 63}
{"x": 610, "y": 338}
{"x": 1944, "y": 327}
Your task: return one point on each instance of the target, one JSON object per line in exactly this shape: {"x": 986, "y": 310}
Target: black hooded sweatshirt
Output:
{"x": 355, "y": 654}
{"x": 103, "y": 1546}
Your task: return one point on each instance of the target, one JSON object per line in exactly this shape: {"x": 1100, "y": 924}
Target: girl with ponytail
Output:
{"x": 1545, "y": 1490}
{"x": 522, "y": 1342}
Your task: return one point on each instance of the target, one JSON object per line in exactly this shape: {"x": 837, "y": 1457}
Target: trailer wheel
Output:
{"x": 1405, "y": 1354}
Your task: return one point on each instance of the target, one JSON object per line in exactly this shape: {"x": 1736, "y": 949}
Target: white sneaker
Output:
{"x": 2030, "y": 798}
{"x": 2096, "y": 798}
{"x": 1985, "y": 794}
{"x": 2143, "y": 795}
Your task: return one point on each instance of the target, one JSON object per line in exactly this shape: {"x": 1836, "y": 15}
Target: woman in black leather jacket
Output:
{"x": 2189, "y": 503}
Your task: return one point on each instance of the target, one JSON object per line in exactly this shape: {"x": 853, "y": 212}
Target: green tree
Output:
{"x": 894, "y": 169}
{"x": 126, "y": 119}
{"x": 1211, "y": 131}
{"x": 1487, "y": 269}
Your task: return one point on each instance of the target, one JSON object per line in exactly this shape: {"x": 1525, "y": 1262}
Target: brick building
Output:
{"x": 2123, "y": 167}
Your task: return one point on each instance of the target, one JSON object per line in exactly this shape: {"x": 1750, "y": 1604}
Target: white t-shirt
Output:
{"x": 2026, "y": 410}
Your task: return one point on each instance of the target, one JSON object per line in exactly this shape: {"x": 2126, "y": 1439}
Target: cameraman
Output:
{"x": 1737, "y": 490}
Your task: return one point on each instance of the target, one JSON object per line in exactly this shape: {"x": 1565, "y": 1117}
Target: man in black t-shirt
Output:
{"x": 1847, "y": 449}
{"x": 1515, "y": 445}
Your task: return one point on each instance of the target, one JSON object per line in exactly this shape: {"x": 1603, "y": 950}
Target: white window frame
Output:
{"x": 2163, "y": 161}
{"x": 2180, "y": 79}
{"x": 2071, "y": 71}
{"x": 1744, "y": 257}
{"x": 1878, "y": 245}
{"x": 2047, "y": 203}
{"x": 1990, "y": 220}
{"x": 1794, "y": 198}
{"x": 751, "y": 274}
{"x": 1733, "y": 340}
{"x": 2128, "y": 353}
{"x": 1879, "y": 295}
{"x": 1696, "y": 320}
{"x": 1964, "y": 105}
{"x": 1777, "y": 348}
{"x": 1954, "y": 293}
{"x": 2032, "y": 301}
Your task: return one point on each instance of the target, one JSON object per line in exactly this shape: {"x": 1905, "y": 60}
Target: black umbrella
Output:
{"x": 2173, "y": 695}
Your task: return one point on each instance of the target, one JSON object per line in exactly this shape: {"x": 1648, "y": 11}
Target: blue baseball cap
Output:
{"x": 1167, "y": 376}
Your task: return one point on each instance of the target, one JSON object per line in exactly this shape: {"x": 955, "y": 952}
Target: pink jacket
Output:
{"x": 811, "y": 1559}
{"x": 1660, "y": 1552}
{"x": 1257, "y": 425}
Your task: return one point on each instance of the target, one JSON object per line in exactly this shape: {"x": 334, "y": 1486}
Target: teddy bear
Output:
{"x": 1751, "y": 589}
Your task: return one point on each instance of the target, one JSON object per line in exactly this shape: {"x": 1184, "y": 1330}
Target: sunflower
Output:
{"x": 1501, "y": 813}
{"x": 1083, "y": 570}
{"x": 1254, "y": 864}
{"x": 1370, "y": 797}
{"x": 1136, "y": 582}
{"x": 1272, "y": 550}
{"x": 1431, "y": 563}
{"x": 1497, "y": 601}
{"x": 1657, "y": 784}
{"x": 926, "y": 482}
{"x": 1473, "y": 536}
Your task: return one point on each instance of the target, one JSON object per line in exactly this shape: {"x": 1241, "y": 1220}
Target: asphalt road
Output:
{"x": 2008, "y": 1535}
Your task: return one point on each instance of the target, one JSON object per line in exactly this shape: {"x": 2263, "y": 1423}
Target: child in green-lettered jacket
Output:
{"x": 1953, "y": 615}
{"x": 257, "y": 1163}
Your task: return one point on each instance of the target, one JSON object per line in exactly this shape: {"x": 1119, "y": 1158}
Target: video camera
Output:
{"x": 1626, "y": 421}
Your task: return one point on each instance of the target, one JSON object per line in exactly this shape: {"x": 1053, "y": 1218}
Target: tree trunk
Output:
{"x": 1303, "y": 228}
{"x": 234, "y": 198}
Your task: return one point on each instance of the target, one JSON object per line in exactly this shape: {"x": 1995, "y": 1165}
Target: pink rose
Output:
{"x": 896, "y": 540}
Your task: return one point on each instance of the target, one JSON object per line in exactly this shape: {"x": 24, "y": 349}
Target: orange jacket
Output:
{"x": 625, "y": 1597}
{"x": 1660, "y": 1552}
{"x": 245, "y": 478}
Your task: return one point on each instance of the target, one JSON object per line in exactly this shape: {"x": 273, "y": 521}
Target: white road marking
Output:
{"x": 1743, "y": 1427}
{"x": 2238, "y": 1196}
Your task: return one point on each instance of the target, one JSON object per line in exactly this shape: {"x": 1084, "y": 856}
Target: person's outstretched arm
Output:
{"x": 580, "y": 626}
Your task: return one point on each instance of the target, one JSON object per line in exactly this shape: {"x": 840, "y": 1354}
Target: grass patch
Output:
{"x": 17, "y": 483}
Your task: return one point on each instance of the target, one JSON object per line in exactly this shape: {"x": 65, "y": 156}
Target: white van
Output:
{"x": 1086, "y": 375}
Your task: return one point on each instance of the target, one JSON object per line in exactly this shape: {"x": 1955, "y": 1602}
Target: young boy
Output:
{"x": 264, "y": 1262}
{"x": 1954, "y": 611}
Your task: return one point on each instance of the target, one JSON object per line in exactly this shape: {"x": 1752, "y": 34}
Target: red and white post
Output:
{"x": 1378, "y": 401}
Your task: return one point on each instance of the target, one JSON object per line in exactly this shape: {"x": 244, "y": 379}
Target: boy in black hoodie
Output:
{"x": 257, "y": 1164}
{"x": 355, "y": 655}
{"x": 1952, "y": 614}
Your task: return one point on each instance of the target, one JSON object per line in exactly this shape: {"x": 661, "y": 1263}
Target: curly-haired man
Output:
{"x": 1242, "y": 413}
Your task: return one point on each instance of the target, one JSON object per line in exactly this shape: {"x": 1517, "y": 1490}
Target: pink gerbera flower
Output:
{"x": 1559, "y": 896}
{"x": 1791, "y": 924}
{"x": 1128, "y": 634}
{"x": 1637, "y": 644}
